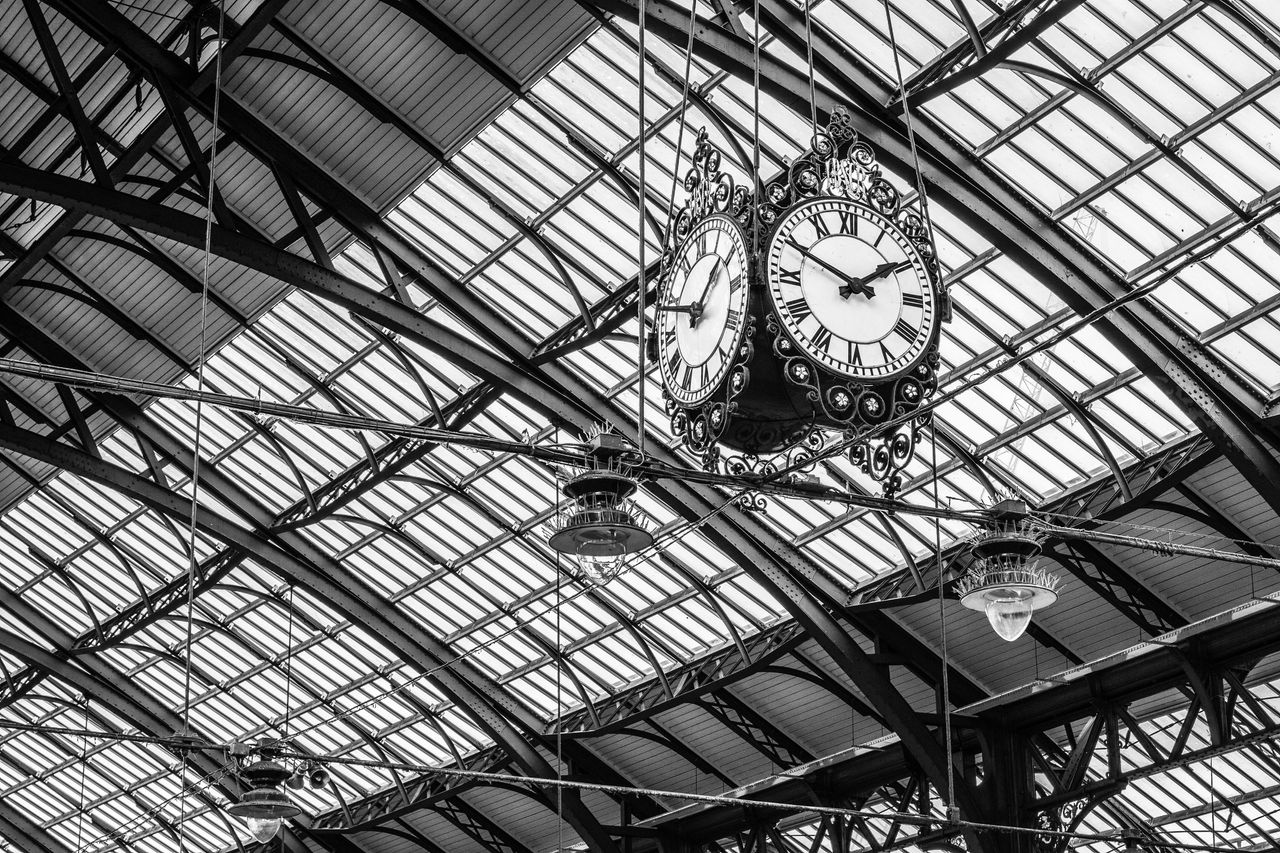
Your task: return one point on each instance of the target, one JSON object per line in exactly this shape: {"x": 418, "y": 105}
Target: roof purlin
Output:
{"x": 768, "y": 558}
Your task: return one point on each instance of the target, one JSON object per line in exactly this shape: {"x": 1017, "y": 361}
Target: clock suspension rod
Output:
{"x": 641, "y": 365}
{"x": 808, "y": 49}
{"x": 684, "y": 114}
{"x": 757, "y": 184}
{"x": 911, "y": 130}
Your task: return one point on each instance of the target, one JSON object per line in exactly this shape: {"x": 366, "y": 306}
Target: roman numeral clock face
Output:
{"x": 851, "y": 290}
{"x": 702, "y": 310}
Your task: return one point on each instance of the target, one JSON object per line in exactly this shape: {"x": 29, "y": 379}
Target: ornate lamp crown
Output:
{"x": 601, "y": 525}
{"x": 1004, "y": 581}
{"x": 265, "y": 803}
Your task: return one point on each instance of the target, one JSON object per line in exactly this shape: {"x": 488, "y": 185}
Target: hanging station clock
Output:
{"x": 834, "y": 329}
{"x": 851, "y": 292}
{"x": 702, "y": 316}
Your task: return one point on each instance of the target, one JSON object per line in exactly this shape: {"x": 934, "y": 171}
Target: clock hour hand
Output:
{"x": 695, "y": 308}
{"x": 863, "y": 283}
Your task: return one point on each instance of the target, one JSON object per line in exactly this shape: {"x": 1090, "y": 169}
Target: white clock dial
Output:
{"x": 702, "y": 310}
{"x": 851, "y": 290}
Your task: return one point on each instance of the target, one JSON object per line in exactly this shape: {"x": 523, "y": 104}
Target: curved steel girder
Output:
{"x": 770, "y": 560}
{"x": 795, "y": 581}
{"x": 329, "y": 582}
{"x": 104, "y": 685}
{"x": 1220, "y": 405}
{"x": 25, "y": 834}
{"x": 124, "y": 209}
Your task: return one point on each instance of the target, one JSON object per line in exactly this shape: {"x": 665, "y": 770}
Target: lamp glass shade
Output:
{"x": 1009, "y": 616}
{"x": 263, "y": 828}
{"x": 601, "y": 569}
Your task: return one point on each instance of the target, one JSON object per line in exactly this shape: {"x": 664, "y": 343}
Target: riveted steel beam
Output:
{"x": 792, "y": 578}
{"x": 1219, "y": 403}
{"x": 25, "y": 834}
{"x": 303, "y": 564}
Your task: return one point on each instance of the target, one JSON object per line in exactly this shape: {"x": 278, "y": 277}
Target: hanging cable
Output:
{"x": 84, "y": 763}
{"x": 559, "y": 582}
{"x": 642, "y": 380}
{"x": 808, "y": 48}
{"x": 193, "y": 563}
{"x": 911, "y": 131}
{"x": 755, "y": 135}
{"x": 288, "y": 670}
{"x": 684, "y": 113}
{"x": 952, "y": 815}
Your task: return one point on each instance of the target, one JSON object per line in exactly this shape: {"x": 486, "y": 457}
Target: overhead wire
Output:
{"x": 808, "y": 49}
{"x": 211, "y": 181}
{"x": 1150, "y": 528}
{"x": 125, "y": 829}
{"x": 84, "y": 764}
{"x": 557, "y": 487}
{"x": 684, "y": 114}
{"x": 737, "y": 802}
{"x": 642, "y": 378}
{"x": 662, "y": 540}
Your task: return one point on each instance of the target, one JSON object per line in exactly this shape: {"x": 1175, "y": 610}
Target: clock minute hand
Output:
{"x": 851, "y": 285}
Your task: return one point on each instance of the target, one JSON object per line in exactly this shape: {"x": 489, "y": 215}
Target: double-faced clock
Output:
{"x": 702, "y": 310}
{"x": 851, "y": 290}
{"x": 814, "y": 306}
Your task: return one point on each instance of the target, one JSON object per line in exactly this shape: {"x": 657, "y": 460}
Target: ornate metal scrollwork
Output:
{"x": 710, "y": 191}
{"x": 703, "y": 428}
{"x": 839, "y": 163}
{"x": 795, "y": 404}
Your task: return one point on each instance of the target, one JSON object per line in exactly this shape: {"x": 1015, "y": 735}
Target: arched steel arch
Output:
{"x": 1219, "y": 404}
{"x": 795, "y": 581}
{"x": 306, "y": 566}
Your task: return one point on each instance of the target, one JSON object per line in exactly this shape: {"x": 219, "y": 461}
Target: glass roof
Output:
{"x": 1171, "y": 145}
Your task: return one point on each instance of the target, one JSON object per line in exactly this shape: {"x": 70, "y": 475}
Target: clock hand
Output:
{"x": 876, "y": 274}
{"x": 702, "y": 297}
{"x": 851, "y": 285}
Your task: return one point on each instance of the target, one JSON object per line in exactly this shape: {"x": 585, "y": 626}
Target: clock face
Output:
{"x": 702, "y": 310}
{"x": 851, "y": 290}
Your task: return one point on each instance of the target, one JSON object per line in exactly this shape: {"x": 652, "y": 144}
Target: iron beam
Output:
{"x": 303, "y": 564}
{"x": 25, "y": 834}
{"x": 566, "y": 397}
{"x": 1219, "y": 404}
